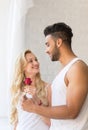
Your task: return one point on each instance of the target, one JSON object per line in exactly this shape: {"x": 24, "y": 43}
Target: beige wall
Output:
{"x": 45, "y": 12}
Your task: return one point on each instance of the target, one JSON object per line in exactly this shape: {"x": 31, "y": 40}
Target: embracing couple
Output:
{"x": 62, "y": 105}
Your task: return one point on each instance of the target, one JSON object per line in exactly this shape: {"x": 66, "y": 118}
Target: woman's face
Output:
{"x": 32, "y": 67}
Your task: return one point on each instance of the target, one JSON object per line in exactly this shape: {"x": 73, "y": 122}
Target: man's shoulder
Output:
{"x": 79, "y": 65}
{"x": 78, "y": 68}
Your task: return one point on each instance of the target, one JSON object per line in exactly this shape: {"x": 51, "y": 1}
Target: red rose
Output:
{"x": 27, "y": 81}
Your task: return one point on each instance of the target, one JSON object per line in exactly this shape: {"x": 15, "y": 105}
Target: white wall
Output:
{"x": 45, "y": 12}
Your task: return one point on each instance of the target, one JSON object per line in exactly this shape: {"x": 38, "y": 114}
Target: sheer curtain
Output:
{"x": 16, "y": 31}
{"x": 12, "y": 43}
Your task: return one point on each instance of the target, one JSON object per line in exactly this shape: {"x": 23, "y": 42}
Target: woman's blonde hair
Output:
{"x": 17, "y": 85}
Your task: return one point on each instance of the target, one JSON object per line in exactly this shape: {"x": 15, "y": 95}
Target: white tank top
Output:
{"x": 29, "y": 121}
{"x": 59, "y": 98}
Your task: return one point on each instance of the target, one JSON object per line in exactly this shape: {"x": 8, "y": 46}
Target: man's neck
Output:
{"x": 66, "y": 57}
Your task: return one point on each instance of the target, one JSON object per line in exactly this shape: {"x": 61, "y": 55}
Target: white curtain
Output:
{"x": 16, "y": 31}
{"x": 11, "y": 44}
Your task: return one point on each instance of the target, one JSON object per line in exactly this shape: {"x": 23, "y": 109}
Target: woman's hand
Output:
{"x": 32, "y": 91}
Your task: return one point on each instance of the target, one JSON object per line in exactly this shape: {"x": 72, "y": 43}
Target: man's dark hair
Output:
{"x": 60, "y": 30}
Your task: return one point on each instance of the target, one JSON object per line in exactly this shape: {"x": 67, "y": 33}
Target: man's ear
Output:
{"x": 59, "y": 42}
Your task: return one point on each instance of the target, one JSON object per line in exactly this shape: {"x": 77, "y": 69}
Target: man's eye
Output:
{"x": 47, "y": 45}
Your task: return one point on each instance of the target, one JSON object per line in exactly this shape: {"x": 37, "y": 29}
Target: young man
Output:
{"x": 69, "y": 109}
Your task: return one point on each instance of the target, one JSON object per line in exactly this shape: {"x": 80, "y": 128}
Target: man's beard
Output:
{"x": 55, "y": 54}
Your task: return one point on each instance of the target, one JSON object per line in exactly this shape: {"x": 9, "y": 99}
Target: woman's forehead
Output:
{"x": 29, "y": 56}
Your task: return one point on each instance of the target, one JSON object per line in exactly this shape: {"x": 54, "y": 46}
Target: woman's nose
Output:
{"x": 36, "y": 62}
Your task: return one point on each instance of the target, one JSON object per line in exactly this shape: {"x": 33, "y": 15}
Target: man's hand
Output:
{"x": 27, "y": 104}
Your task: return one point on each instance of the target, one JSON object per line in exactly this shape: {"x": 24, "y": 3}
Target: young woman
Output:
{"x": 27, "y": 81}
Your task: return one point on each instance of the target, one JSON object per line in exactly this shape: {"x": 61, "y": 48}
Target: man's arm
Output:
{"x": 77, "y": 89}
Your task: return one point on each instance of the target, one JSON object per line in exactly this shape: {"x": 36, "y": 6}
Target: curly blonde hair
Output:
{"x": 17, "y": 85}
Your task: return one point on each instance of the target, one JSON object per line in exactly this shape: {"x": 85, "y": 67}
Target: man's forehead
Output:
{"x": 48, "y": 36}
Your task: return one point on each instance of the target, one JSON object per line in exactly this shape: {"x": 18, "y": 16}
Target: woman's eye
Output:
{"x": 36, "y": 59}
{"x": 30, "y": 61}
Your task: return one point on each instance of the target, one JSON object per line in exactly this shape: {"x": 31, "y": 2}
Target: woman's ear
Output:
{"x": 59, "y": 42}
